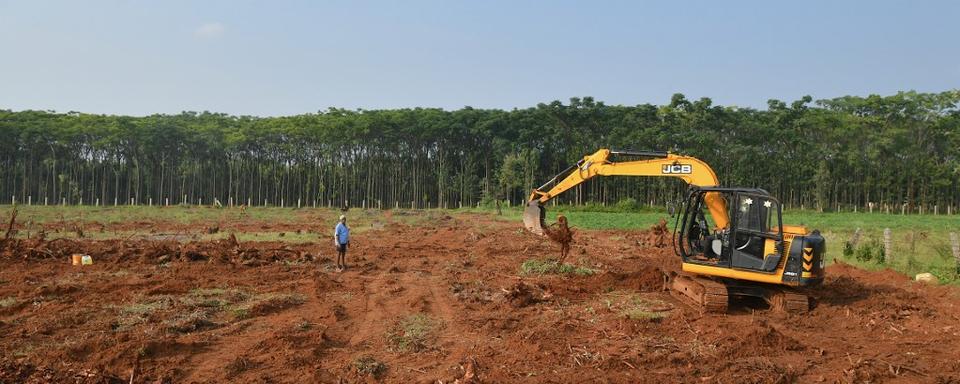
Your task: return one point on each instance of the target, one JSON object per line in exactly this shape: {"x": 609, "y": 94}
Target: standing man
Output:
{"x": 341, "y": 237}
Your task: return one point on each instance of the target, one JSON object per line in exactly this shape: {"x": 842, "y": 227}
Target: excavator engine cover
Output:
{"x": 533, "y": 217}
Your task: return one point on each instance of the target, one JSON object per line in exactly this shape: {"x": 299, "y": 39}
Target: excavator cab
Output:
{"x": 754, "y": 245}
{"x": 752, "y": 238}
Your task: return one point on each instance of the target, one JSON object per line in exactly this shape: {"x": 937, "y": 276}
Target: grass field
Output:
{"x": 920, "y": 243}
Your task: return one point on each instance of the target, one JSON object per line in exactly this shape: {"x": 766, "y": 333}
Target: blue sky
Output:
{"x": 288, "y": 57}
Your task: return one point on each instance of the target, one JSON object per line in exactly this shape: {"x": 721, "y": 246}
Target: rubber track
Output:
{"x": 790, "y": 302}
{"x": 710, "y": 295}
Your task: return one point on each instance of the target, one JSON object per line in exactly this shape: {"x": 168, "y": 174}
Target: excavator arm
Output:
{"x": 691, "y": 170}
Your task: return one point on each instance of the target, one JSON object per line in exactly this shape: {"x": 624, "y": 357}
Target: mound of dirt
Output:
{"x": 658, "y": 236}
{"x": 521, "y": 294}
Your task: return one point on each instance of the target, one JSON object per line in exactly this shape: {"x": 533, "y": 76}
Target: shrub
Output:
{"x": 636, "y": 307}
{"x": 10, "y": 301}
{"x": 871, "y": 251}
{"x": 548, "y": 267}
{"x": 628, "y": 204}
{"x": 638, "y": 313}
{"x": 367, "y": 365}
{"x": 848, "y": 250}
{"x": 412, "y": 334}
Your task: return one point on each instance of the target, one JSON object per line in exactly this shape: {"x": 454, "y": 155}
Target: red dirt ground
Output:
{"x": 223, "y": 311}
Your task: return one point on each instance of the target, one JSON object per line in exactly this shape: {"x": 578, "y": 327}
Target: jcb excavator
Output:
{"x": 731, "y": 241}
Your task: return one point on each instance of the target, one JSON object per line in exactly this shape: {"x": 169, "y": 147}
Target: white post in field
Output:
{"x": 887, "y": 245}
{"x": 955, "y": 242}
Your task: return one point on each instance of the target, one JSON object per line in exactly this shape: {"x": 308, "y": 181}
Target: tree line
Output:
{"x": 898, "y": 150}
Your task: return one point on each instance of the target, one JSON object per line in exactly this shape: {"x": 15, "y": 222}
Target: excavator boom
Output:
{"x": 663, "y": 164}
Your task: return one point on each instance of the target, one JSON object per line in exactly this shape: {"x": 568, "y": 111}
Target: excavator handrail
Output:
{"x": 639, "y": 153}
{"x": 557, "y": 176}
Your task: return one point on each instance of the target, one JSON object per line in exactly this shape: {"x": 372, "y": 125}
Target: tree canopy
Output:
{"x": 848, "y": 151}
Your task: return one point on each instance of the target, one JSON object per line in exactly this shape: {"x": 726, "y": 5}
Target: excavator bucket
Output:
{"x": 533, "y": 217}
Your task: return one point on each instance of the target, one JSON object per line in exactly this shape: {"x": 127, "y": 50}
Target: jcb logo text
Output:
{"x": 677, "y": 169}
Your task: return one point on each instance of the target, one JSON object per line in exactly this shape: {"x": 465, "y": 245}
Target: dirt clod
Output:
{"x": 521, "y": 294}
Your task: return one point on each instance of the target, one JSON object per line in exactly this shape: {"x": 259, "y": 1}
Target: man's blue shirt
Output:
{"x": 342, "y": 233}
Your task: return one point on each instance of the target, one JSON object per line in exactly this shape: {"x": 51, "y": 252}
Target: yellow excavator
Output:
{"x": 731, "y": 241}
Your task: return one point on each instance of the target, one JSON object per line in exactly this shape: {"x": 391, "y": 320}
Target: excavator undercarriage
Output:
{"x": 716, "y": 295}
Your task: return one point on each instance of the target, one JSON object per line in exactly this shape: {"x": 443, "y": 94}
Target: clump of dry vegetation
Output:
{"x": 413, "y": 333}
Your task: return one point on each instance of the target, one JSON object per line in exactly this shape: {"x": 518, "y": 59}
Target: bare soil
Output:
{"x": 224, "y": 311}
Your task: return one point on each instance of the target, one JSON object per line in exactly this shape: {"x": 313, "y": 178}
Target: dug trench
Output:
{"x": 466, "y": 299}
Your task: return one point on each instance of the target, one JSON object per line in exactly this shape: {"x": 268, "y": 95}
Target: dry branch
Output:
{"x": 13, "y": 221}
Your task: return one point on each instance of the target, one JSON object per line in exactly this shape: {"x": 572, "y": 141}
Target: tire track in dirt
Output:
{"x": 391, "y": 296}
{"x": 254, "y": 341}
{"x": 377, "y": 290}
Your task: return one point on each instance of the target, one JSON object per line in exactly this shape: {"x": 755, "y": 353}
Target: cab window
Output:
{"x": 757, "y": 214}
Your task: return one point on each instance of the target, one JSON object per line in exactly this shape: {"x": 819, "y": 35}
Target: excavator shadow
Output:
{"x": 747, "y": 304}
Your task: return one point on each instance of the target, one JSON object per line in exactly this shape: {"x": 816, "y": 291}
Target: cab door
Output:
{"x": 757, "y": 232}
{"x": 698, "y": 239}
